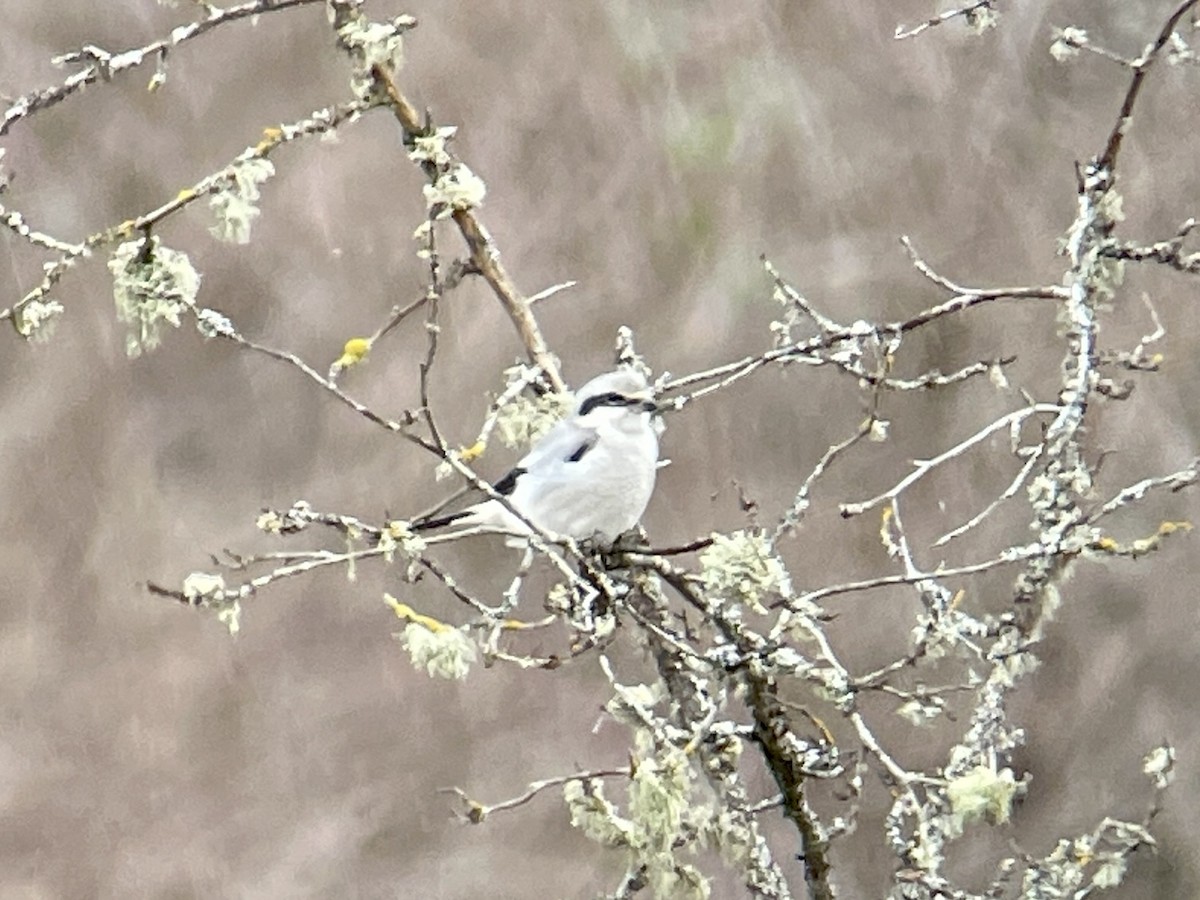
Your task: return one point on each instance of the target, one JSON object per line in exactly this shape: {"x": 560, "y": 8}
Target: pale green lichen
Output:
{"x": 453, "y": 186}
{"x": 661, "y": 809}
{"x": 230, "y": 615}
{"x": 290, "y": 521}
{"x": 524, "y": 419}
{"x": 925, "y": 852}
{"x": 595, "y": 816}
{"x": 560, "y": 598}
{"x": 781, "y": 328}
{"x": 442, "y": 652}
{"x": 270, "y": 522}
{"x": 1159, "y": 764}
{"x": 1110, "y": 207}
{"x": 457, "y": 188}
{"x": 399, "y": 536}
{"x": 730, "y": 833}
{"x": 678, "y": 881}
{"x": 997, "y": 377}
{"x": 1067, "y": 43}
{"x": 787, "y": 659}
{"x": 374, "y": 44}
{"x": 1064, "y": 871}
{"x": 921, "y": 711}
{"x": 633, "y": 704}
{"x": 981, "y": 792}
{"x": 832, "y": 684}
{"x": 1110, "y": 872}
{"x": 151, "y": 285}
{"x": 742, "y": 568}
{"x": 201, "y": 587}
{"x": 981, "y": 18}
{"x": 211, "y": 324}
{"x": 208, "y": 590}
{"x": 234, "y": 203}
{"x": 659, "y": 798}
{"x": 1178, "y": 50}
{"x": 37, "y": 319}
{"x": 432, "y": 148}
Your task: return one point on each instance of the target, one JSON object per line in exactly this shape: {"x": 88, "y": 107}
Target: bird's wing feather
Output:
{"x": 565, "y": 442}
{"x": 559, "y": 449}
{"x": 561, "y": 445}
{"x": 508, "y": 483}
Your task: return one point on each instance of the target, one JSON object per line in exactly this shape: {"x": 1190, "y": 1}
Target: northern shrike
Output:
{"x": 591, "y": 475}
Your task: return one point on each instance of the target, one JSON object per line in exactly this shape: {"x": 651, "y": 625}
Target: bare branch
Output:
{"x": 483, "y": 253}
{"x": 1108, "y": 159}
{"x": 924, "y": 467}
{"x": 102, "y": 65}
{"x": 478, "y": 812}
{"x": 1176, "y": 481}
{"x": 1169, "y": 252}
{"x": 963, "y": 11}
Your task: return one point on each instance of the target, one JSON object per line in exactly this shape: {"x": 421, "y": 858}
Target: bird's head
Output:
{"x": 614, "y": 398}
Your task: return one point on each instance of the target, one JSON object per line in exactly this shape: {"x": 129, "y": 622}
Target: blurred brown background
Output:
{"x": 651, "y": 152}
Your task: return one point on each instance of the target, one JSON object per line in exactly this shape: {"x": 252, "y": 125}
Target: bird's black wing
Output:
{"x": 565, "y": 448}
{"x": 585, "y": 445}
{"x": 508, "y": 483}
{"x": 570, "y": 452}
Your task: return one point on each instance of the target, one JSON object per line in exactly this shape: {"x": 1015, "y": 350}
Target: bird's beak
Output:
{"x": 649, "y": 406}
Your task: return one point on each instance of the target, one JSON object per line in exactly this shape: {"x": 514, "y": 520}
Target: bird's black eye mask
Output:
{"x": 612, "y": 398}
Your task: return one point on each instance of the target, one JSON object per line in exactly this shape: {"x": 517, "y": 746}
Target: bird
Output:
{"x": 589, "y": 477}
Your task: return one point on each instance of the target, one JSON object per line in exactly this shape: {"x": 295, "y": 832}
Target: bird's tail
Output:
{"x": 440, "y": 521}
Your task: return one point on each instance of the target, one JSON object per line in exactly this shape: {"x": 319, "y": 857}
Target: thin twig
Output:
{"x": 924, "y": 467}
{"x": 1011, "y": 491}
{"x": 902, "y": 32}
{"x": 795, "y": 513}
{"x": 1176, "y": 481}
{"x": 1108, "y": 159}
{"x": 104, "y": 65}
{"x": 1007, "y": 557}
{"x": 477, "y": 812}
{"x": 483, "y": 253}
{"x": 397, "y": 426}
